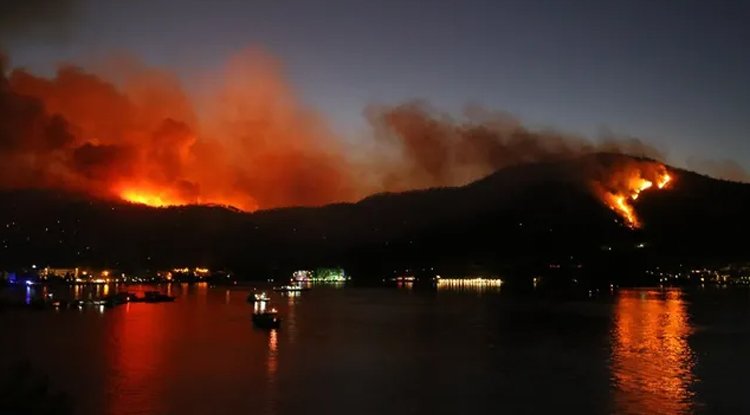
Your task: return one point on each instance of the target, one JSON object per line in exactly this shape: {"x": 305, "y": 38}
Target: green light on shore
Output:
{"x": 330, "y": 275}
{"x": 321, "y": 275}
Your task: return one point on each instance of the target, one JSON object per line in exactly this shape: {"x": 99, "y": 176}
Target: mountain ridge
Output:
{"x": 518, "y": 221}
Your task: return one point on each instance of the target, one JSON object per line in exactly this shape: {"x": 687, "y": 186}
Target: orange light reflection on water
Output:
{"x": 272, "y": 367}
{"x": 139, "y": 343}
{"x": 273, "y": 346}
{"x": 652, "y": 362}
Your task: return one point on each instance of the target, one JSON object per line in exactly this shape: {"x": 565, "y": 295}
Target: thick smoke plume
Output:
{"x": 437, "y": 149}
{"x": 141, "y": 139}
{"x": 135, "y": 134}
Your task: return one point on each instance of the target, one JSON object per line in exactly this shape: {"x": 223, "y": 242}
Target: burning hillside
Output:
{"x": 622, "y": 184}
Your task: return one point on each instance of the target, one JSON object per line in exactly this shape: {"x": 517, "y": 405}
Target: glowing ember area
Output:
{"x": 163, "y": 197}
{"x": 625, "y": 184}
{"x": 663, "y": 180}
{"x": 150, "y": 199}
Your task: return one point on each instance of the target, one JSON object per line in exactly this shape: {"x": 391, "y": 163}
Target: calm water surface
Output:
{"x": 377, "y": 351}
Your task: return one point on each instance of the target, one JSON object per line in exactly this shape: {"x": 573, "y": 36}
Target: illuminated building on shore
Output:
{"x": 480, "y": 283}
{"x": 302, "y": 276}
{"x": 321, "y": 275}
{"x": 50, "y": 272}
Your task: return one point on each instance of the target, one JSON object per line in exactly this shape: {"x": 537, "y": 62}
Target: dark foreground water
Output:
{"x": 379, "y": 351}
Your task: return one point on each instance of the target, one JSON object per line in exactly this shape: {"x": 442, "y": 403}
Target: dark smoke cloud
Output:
{"x": 41, "y": 147}
{"x": 720, "y": 169}
{"x": 254, "y": 147}
{"x": 99, "y": 161}
{"x": 48, "y": 20}
{"x": 30, "y": 138}
{"x": 439, "y": 150}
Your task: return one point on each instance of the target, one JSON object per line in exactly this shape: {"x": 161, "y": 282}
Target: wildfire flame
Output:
{"x": 625, "y": 184}
{"x": 156, "y": 196}
{"x": 149, "y": 198}
{"x": 663, "y": 180}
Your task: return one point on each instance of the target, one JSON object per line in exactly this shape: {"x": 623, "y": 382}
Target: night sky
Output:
{"x": 675, "y": 73}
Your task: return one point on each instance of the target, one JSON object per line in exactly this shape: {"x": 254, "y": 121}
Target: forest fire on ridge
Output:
{"x": 624, "y": 185}
{"x": 150, "y": 198}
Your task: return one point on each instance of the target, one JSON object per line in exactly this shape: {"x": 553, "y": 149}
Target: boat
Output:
{"x": 110, "y": 300}
{"x": 258, "y": 298}
{"x": 267, "y": 319}
{"x": 59, "y": 304}
{"x": 290, "y": 288}
{"x": 156, "y": 297}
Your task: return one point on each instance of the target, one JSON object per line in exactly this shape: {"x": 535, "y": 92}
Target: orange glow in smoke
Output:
{"x": 133, "y": 133}
{"x": 626, "y": 183}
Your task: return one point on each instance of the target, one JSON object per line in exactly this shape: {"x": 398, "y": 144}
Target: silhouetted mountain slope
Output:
{"x": 519, "y": 220}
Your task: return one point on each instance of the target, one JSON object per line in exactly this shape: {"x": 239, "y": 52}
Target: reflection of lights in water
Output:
{"x": 201, "y": 290}
{"x": 273, "y": 341}
{"x": 28, "y": 295}
{"x": 259, "y": 307}
{"x": 273, "y": 345}
{"x": 226, "y": 297}
{"x": 291, "y": 318}
{"x": 272, "y": 363}
{"x": 291, "y": 297}
{"x": 137, "y": 353}
{"x": 105, "y": 289}
{"x": 652, "y": 363}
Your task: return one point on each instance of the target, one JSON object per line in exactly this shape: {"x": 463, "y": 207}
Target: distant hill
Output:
{"x": 522, "y": 220}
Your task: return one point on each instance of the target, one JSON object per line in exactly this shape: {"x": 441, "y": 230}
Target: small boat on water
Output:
{"x": 267, "y": 319}
{"x": 116, "y": 299}
{"x": 290, "y": 288}
{"x": 258, "y": 298}
{"x": 58, "y": 304}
